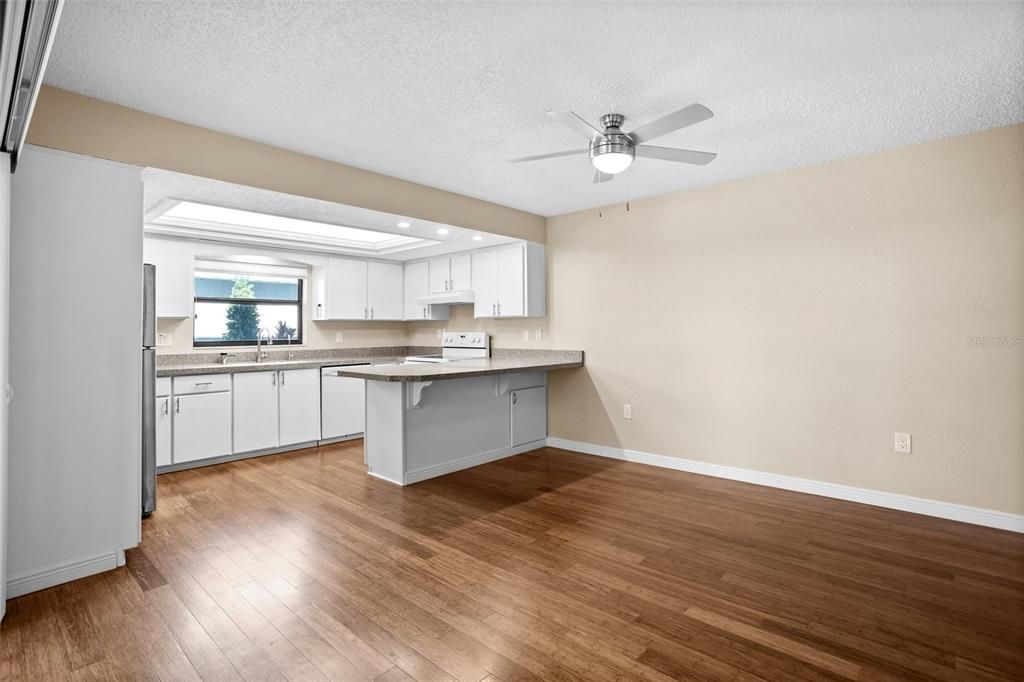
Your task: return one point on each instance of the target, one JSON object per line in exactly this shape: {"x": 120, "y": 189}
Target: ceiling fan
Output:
{"x": 612, "y": 151}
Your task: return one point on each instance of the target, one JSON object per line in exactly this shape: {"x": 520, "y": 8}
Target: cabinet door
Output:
{"x": 415, "y": 286}
{"x": 255, "y": 411}
{"x": 385, "y": 287}
{"x": 202, "y": 426}
{"x": 163, "y": 431}
{"x": 461, "y": 269}
{"x": 485, "y": 283}
{"x": 346, "y": 289}
{"x": 175, "y": 272}
{"x": 343, "y": 408}
{"x": 529, "y": 415}
{"x": 440, "y": 274}
{"x": 511, "y": 281}
{"x": 300, "y": 405}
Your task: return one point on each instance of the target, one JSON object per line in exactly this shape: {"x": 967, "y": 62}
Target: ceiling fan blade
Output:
{"x": 680, "y": 155}
{"x": 552, "y": 155}
{"x": 602, "y": 177}
{"x": 687, "y": 116}
{"x": 573, "y": 120}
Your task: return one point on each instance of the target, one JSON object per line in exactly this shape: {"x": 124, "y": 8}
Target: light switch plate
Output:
{"x": 538, "y": 334}
{"x": 627, "y": 411}
{"x": 526, "y": 335}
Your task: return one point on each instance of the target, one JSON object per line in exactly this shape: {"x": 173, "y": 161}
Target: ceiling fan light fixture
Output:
{"x": 614, "y": 152}
{"x": 612, "y": 162}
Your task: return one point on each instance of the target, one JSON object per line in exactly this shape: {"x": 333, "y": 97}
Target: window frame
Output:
{"x": 227, "y": 343}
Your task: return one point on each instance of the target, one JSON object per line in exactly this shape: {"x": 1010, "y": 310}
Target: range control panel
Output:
{"x": 477, "y": 340}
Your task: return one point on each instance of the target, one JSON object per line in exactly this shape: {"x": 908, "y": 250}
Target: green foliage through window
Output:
{"x": 234, "y": 309}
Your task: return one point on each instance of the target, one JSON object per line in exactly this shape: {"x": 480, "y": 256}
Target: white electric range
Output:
{"x": 457, "y": 346}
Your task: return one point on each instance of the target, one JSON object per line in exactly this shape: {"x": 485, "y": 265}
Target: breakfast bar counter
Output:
{"x": 430, "y": 419}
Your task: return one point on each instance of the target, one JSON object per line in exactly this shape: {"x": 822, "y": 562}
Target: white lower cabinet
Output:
{"x": 529, "y": 414}
{"x": 299, "y": 405}
{"x": 202, "y": 426}
{"x": 163, "y": 430}
{"x": 255, "y": 411}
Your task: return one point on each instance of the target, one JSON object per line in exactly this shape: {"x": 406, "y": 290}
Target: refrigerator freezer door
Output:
{"x": 148, "y": 431}
{"x": 148, "y": 306}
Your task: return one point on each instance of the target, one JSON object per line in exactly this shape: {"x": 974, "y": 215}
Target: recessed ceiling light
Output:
{"x": 403, "y": 224}
{"x": 477, "y": 238}
{"x": 442, "y": 230}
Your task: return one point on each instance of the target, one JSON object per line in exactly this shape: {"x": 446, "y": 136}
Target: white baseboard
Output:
{"x": 878, "y": 498}
{"x": 62, "y": 574}
{"x": 472, "y": 461}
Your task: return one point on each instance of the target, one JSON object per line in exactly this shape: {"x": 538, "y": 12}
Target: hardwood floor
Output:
{"x": 550, "y": 565}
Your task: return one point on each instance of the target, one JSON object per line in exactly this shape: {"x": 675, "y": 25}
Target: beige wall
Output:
{"x": 791, "y": 323}
{"x": 788, "y": 323}
{"x": 75, "y": 123}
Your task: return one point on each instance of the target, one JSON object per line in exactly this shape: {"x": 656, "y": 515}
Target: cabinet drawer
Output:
{"x": 163, "y": 386}
{"x": 202, "y": 383}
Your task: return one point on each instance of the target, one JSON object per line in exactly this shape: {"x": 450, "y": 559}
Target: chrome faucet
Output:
{"x": 261, "y": 354}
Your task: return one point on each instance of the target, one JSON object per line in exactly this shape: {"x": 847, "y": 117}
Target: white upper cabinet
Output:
{"x": 511, "y": 281}
{"x": 451, "y": 273}
{"x": 508, "y": 281}
{"x": 416, "y": 286}
{"x": 347, "y": 289}
{"x": 440, "y": 271}
{"x": 385, "y": 291}
{"x": 175, "y": 265}
{"x": 461, "y": 271}
{"x": 485, "y": 283}
{"x": 299, "y": 405}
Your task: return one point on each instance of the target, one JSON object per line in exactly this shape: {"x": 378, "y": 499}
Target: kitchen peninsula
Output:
{"x": 429, "y": 419}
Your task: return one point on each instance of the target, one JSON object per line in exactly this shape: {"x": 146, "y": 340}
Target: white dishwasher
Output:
{"x": 342, "y": 404}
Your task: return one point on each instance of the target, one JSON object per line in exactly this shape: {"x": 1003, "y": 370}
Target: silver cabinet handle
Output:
{"x": 282, "y": 378}
{"x": 366, "y": 314}
{"x": 494, "y": 310}
{"x": 371, "y": 313}
{"x": 499, "y": 310}
{"x": 273, "y": 379}
{"x": 424, "y": 312}
{"x": 515, "y": 398}
{"x": 203, "y": 383}
{"x": 167, "y": 407}
{"x": 177, "y": 405}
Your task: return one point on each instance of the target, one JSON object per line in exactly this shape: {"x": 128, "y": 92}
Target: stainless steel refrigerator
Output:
{"x": 148, "y": 389}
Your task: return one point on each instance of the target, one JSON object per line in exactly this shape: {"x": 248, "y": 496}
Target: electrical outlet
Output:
{"x": 903, "y": 443}
{"x": 526, "y": 335}
{"x": 538, "y": 334}
{"x": 163, "y": 339}
{"x": 440, "y": 332}
{"x": 339, "y": 337}
{"x": 627, "y": 411}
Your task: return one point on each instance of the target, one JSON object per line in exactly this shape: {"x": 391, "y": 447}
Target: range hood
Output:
{"x": 447, "y": 298}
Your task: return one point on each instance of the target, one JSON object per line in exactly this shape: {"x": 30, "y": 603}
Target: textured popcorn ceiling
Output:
{"x": 442, "y": 93}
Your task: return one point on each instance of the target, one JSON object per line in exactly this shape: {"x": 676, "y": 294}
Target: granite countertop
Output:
{"x": 383, "y": 363}
{"x": 208, "y": 362}
{"x": 175, "y": 370}
{"x": 520, "y": 361}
